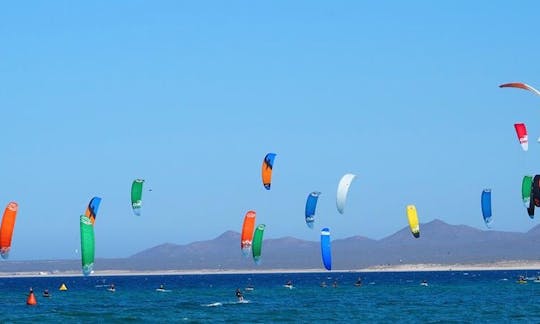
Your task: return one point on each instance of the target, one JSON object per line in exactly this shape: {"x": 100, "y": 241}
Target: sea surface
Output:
{"x": 450, "y": 297}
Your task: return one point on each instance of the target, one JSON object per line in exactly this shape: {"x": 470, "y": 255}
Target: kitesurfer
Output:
{"x": 358, "y": 282}
{"x": 289, "y": 284}
{"x": 161, "y": 288}
{"x": 334, "y": 284}
{"x": 239, "y": 295}
{"x": 112, "y": 288}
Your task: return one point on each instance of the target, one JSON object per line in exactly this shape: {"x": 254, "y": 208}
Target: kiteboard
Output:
{"x": 162, "y": 290}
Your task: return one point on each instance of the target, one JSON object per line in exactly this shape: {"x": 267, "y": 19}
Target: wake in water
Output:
{"x": 216, "y": 304}
{"x": 212, "y": 305}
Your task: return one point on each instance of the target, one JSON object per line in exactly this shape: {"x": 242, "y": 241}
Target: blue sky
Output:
{"x": 191, "y": 95}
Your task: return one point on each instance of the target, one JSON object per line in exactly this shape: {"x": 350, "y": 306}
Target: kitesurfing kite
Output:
{"x": 6, "y": 229}
{"x": 526, "y": 191}
{"x": 311, "y": 205}
{"x": 257, "y": 243}
{"x": 413, "y": 221}
{"x": 246, "y": 238}
{"x": 87, "y": 245}
{"x": 535, "y": 193}
{"x": 92, "y": 209}
{"x": 534, "y": 198}
{"x": 326, "y": 252}
{"x": 486, "y": 206}
{"x": 524, "y": 86}
{"x": 521, "y": 132}
{"x": 520, "y": 85}
{"x": 136, "y": 196}
{"x": 343, "y": 190}
{"x": 267, "y": 166}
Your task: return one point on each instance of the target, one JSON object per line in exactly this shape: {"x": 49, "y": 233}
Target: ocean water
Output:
{"x": 450, "y": 297}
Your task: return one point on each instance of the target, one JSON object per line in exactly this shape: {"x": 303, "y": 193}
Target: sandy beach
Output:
{"x": 506, "y": 265}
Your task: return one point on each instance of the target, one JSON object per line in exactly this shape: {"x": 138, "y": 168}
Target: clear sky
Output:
{"x": 190, "y": 95}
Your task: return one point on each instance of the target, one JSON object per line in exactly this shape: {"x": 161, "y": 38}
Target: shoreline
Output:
{"x": 506, "y": 265}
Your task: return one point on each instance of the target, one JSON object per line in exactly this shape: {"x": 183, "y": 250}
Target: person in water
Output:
{"x": 358, "y": 282}
{"x": 239, "y": 294}
{"x": 162, "y": 287}
{"x": 289, "y": 283}
{"x": 46, "y": 293}
{"x": 112, "y": 287}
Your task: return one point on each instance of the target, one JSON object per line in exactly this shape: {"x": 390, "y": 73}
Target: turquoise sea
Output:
{"x": 451, "y": 296}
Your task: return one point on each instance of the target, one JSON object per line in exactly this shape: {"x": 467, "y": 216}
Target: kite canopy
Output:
{"x": 521, "y": 132}
{"x": 87, "y": 245}
{"x": 257, "y": 243}
{"x": 526, "y": 191}
{"x": 486, "y": 206}
{"x": 267, "y": 166}
{"x": 535, "y": 193}
{"x": 246, "y": 238}
{"x": 311, "y": 206}
{"x": 92, "y": 209}
{"x": 7, "y": 227}
{"x": 343, "y": 190}
{"x": 326, "y": 252}
{"x": 520, "y": 85}
{"x": 414, "y": 225}
{"x": 136, "y": 196}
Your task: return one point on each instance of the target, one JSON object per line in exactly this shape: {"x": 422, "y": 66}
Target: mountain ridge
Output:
{"x": 439, "y": 243}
